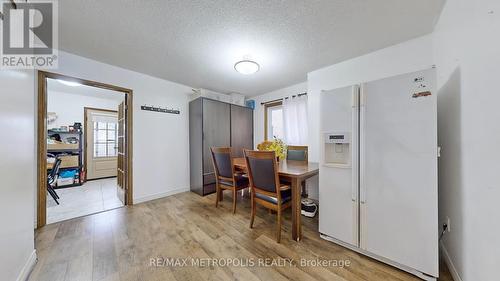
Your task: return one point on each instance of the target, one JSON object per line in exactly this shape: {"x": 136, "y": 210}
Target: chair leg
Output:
{"x": 54, "y": 191}
{"x": 278, "y": 237}
{"x": 235, "y": 194}
{"x": 217, "y": 195}
{"x": 49, "y": 190}
{"x": 221, "y": 194}
{"x": 252, "y": 216}
{"x": 53, "y": 196}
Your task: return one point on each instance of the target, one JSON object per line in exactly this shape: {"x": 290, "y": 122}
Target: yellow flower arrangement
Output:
{"x": 279, "y": 147}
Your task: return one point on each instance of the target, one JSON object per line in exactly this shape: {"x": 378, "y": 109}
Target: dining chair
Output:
{"x": 266, "y": 189}
{"x": 52, "y": 179}
{"x": 298, "y": 153}
{"x": 225, "y": 176}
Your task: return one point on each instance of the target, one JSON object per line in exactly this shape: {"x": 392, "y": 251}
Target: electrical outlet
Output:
{"x": 448, "y": 223}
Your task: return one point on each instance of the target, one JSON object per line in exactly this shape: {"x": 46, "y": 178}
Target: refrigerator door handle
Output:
{"x": 354, "y": 144}
{"x": 362, "y": 187}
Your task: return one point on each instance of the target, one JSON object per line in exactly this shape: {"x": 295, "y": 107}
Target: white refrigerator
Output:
{"x": 378, "y": 171}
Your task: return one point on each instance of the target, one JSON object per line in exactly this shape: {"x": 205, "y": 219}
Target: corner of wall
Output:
{"x": 28, "y": 267}
{"x": 447, "y": 259}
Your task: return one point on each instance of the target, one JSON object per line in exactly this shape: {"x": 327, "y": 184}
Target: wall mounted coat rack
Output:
{"x": 159, "y": 109}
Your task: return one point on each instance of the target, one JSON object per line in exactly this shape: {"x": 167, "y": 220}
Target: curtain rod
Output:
{"x": 294, "y": 96}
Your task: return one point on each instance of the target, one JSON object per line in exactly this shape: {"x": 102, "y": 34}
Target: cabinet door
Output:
{"x": 241, "y": 129}
{"x": 216, "y": 133}
{"x": 196, "y": 145}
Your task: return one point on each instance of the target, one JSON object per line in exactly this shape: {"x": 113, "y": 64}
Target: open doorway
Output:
{"x": 84, "y": 147}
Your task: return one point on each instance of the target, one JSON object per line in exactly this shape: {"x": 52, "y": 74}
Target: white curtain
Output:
{"x": 295, "y": 120}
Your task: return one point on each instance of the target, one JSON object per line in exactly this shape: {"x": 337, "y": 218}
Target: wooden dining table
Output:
{"x": 294, "y": 172}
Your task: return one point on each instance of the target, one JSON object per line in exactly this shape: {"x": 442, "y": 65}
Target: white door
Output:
{"x": 398, "y": 182}
{"x": 102, "y": 143}
{"x": 122, "y": 153}
{"x": 338, "y": 183}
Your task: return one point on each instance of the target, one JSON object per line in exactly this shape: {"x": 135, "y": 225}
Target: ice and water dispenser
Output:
{"x": 337, "y": 149}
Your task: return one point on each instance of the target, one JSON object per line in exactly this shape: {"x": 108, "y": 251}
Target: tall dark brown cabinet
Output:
{"x": 215, "y": 123}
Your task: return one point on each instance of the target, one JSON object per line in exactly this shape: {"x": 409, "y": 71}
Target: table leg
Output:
{"x": 296, "y": 208}
{"x": 304, "y": 189}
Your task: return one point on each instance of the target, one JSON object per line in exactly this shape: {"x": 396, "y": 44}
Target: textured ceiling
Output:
{"x": 197, "y": 42}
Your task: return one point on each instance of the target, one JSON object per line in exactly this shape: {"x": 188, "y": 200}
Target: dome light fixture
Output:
{"x": 246, "y": 67}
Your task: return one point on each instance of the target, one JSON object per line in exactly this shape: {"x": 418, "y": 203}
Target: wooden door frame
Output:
{"x": 266, "y": 117}
{"x": 42, "y": 137}
{"x": 85, "y": 111}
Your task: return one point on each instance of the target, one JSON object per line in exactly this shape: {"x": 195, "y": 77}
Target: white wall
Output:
{"x": 70, "y": 107}
{"x": 161, "y": 151}
{"x": 258, "y": 114}
{"x": 160, "y": 141}
{"x": 406, "y": 57}
{"x": 17, "y": 172}
{"x": 466, "y": 49}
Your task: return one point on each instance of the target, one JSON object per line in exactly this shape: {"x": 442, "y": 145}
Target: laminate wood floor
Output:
{"x": 129, "y": 243}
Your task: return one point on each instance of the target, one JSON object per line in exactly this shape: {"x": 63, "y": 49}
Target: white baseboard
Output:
{"x": 449, "y": 263}
{"x": 159, "y": 195}
{"x": 28, "y": 267}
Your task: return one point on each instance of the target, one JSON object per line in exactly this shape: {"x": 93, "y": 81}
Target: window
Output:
{"x": 274, "y": 121}
{"x": 105, "y": 139}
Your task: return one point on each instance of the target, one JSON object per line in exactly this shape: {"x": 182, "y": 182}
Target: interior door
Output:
{"x": 399, "y": 170}
{"x": 338, "y": 183}
{"x": 241, "y": 129}
{"x": 122, "y": 163}
{"x": 101, "y": 143}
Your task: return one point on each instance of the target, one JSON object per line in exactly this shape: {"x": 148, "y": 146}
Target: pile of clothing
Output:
{"x": 66, "y": 177}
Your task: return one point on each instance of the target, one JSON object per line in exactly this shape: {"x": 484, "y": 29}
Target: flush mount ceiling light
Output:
{"x": 246, "y": 67}
{"x": 69, "y": 83}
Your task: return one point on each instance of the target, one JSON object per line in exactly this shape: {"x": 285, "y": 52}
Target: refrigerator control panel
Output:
{"x": 337, "y": 148}
{"x": 343, "y": 137}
